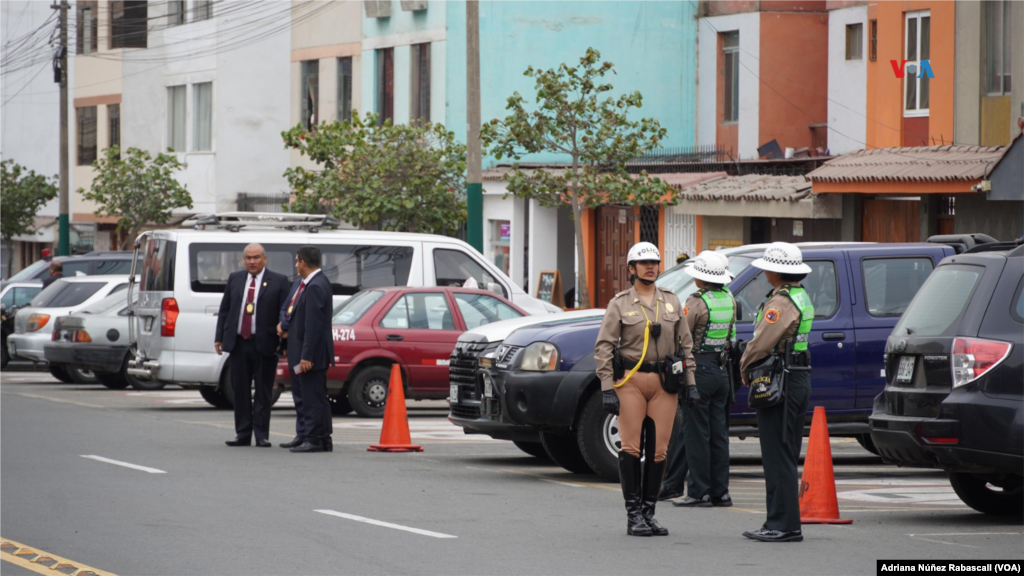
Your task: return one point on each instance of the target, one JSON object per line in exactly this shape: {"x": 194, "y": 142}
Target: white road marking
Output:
{"x": 125, "y": 464}
{"x": 941, "y": 495}
{"x": 942, "y": 534}
{"x": 385, "y": 524}
{"x": 563, "y": 483}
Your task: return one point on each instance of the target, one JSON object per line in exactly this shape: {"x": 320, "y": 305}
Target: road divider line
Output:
{"x": 124, "y": 464}
{"x": 42, "y": 562}
{"x": 560, "y": 483}
{"x": 385, "y": 524}
{"x": 61, "y": 400}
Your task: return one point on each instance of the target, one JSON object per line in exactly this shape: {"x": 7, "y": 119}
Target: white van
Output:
{"x": 183, "y": 274}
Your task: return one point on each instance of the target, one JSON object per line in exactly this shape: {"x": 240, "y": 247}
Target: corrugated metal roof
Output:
{"x": 751, "y": 187}
{"x": 918, "y": 164}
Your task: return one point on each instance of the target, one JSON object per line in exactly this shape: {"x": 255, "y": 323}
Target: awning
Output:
{"x": 758, "y": 195}
{"x": 914, "y": 170}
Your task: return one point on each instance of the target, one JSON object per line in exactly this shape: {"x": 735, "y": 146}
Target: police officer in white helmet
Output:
{"x": 644, "y": 360}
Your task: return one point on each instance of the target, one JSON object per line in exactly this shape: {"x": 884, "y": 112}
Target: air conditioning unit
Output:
{"x": 413, "y": 5}
{"x": 377, "y": 8}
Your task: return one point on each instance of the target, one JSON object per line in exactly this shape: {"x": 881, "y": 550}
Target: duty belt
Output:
{"x": 644, "y": 366}
{"x": 708, "y": 356}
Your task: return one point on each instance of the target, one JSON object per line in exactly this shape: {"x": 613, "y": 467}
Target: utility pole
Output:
{"x": 64, "y": 237}
{"x": 474, "y": 180}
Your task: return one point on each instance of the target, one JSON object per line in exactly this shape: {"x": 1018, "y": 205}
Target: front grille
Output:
{"x": 470, "y": 412}
{"x": 463, "y": 363}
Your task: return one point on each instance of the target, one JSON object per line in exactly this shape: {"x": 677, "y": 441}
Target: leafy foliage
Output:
{"x": 136, "y": 188}
{"x": 22, "y": 194}
{"x": 576, "y": 117}
{"x": 408, "y": 178}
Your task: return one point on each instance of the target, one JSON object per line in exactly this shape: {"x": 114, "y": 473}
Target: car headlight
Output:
{"x": 540, "y": 357}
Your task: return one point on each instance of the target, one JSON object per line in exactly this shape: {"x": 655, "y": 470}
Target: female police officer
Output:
{"x": 784, "y": 321}
{"x": 710, "y": 316}
{"x": 643, "y": 326}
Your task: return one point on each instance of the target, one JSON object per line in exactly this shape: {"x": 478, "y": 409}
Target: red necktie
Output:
{"x": 247, "y": 320}
{"x": 295, "y": 299}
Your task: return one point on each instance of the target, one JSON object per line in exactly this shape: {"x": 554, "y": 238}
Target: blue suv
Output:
{"x": 859, "y": 291}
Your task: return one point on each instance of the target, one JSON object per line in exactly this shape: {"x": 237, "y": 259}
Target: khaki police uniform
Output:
{"x": 642, "y": 395}
{"x": 776, "y": 329}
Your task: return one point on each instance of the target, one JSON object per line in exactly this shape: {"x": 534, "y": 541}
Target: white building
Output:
{"x": 847, "y": 79}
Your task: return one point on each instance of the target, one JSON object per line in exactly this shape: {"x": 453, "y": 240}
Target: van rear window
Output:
{"x": 350, "y": 268}
{"x": 157, "y": 266}
{"x": 941, "y": 302}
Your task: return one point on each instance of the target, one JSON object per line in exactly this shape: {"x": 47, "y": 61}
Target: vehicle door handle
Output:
{"x": 395, "y": 337}
{"x": 834, "y": 336}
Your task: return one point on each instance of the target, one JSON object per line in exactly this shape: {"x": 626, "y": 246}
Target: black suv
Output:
{"x": 954, "y": 394}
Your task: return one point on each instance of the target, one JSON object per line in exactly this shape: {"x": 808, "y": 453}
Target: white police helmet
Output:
{"x": 644, "y": 251}
{"x": 784, "y": 258}
{"x": 709, "y": 266}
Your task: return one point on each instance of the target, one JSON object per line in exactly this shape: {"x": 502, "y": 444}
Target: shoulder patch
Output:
{"x": 772, "y": 315}
{"x": 686, "y": 310}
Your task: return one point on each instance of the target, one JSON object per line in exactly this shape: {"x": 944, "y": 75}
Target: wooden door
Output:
{"x": 614, "y": 239}
{"x": 891, "y": 221}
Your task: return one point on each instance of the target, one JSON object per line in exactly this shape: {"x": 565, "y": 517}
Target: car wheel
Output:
{"x": 82, "y": 375}
{"x": 534, "y": 449}
{"x": 368, "y": 391}
{"x": 112, "y": 380}
{"x": 597, "y": 434}
{"x": 340, "y": 405}
{"x": 867, "y": 443}
{"x": 60, "y": 373}
{"x": 213, "y": 396}
{"x": 565, "y": 451}
{"x": 979, "y": 494}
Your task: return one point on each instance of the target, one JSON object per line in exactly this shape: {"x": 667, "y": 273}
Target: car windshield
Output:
{"x": 107, "y": 304}
{"x": 61, "y": 294}
{"x": 350, "y": 311}
{"x": 681, "y": 283}
{"x": 30, "y": 272}
{"x": 940, "y": 303}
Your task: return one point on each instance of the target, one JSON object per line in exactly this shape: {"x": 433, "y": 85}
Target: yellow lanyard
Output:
{"x": 647, "y": 336}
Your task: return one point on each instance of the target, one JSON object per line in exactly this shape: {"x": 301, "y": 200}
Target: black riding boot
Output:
{"x": 629, "y": 477}
{"x": 654, "y": 473}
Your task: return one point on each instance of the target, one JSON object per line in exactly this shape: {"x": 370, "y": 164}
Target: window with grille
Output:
{"x": 86, "y": 124}
{"x": 420, "y": 82}
{"x": 731, "y": 71}
{"x": 344, "y": 113}
{"x": 114, "y": 122}
{"x": 310, "y": 93}
{"x": 128, "y": 24}
{"x": 649, "y": 224}
{"x": 854, "y": 41}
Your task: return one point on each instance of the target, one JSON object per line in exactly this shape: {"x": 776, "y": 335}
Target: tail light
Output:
{"x": 168, "y": 316}
{"x": 36, "y": 322}
{"x": 973, "y": 357}
{"x": 81, "y": 336}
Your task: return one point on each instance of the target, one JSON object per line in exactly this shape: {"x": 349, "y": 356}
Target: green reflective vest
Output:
{"x": 720, "y": 326}
{"x": 802, "y": 301}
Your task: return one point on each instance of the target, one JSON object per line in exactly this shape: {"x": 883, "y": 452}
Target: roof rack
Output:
{"x": 236, "y": 221}
{"x": 995, "y": 247}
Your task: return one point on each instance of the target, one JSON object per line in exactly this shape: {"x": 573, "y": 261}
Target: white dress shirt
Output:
{"x": 242, "y": 316}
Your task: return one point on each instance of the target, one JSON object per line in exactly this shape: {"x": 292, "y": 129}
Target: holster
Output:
{"x": 673, "y": 372}
{"x": 618, "y": 366}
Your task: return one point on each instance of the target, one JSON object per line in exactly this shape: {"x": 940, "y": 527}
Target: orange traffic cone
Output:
{"x": 394, "y": 436}
{"x": 818, "y": 502}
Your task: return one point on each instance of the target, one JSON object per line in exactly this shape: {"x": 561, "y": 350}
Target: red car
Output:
{"x": 415, "y": 327}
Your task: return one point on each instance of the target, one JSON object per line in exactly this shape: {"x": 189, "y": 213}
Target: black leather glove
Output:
{"x": 692, "y": 396}
{"x": 610, "y": 402}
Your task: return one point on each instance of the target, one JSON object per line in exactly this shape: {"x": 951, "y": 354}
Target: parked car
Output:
{"x": 33, "y": 324}
{"x": 95, "y": 339}
{"x": 954, "y": 395}
{"x": 183, "y": 274}
{"x": 88, "y": 264}
{"x": 859, "y": 291}
{"x": 414, "y": 327}
{"x": 13, "y": 296}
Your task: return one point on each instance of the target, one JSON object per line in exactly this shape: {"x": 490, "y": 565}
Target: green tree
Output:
{"x": 22, "y": 194}
{"x": 408, "y": 178}
{"x": 136, "y": 188}
{"x": 575, "y": 117}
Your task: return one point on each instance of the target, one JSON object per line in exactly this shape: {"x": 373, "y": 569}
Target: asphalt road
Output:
{"x": 466, "y": 505}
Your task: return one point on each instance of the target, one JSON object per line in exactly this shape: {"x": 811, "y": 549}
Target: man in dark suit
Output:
{"x": 282, "y": 331}
{"x": 311, "y": 349}
{"x": 247, "y": 329}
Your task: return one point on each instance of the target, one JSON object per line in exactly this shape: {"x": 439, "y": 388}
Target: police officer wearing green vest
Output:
{"x": 783, "y": 322}
{"x": 710, "y": 314}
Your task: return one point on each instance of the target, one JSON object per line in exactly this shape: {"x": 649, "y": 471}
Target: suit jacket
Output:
{"x": 269, "y": 299}
{"x": 309, "y": 331}
{"x": 51, "y": 279}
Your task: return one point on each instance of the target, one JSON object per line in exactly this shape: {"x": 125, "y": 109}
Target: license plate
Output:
{"x": 453, "y": 395}
{"x": 905, "y": 372}
{"x": 488, "y": 387}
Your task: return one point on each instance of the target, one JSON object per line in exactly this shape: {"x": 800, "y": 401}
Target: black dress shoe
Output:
{"x": 766, "y": 535}
{"x": 307, "y": 447}
{"x": 263, "y": 443}
{"x": 691, "y": 502}
{"x": 328, "y": 446}
{"x": 295, "y": 442}
{"x": 723, "y": 501}
{"x": 239, "y": 441}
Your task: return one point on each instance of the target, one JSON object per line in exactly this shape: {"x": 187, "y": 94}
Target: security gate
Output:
{"x": 680, "y": 235}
